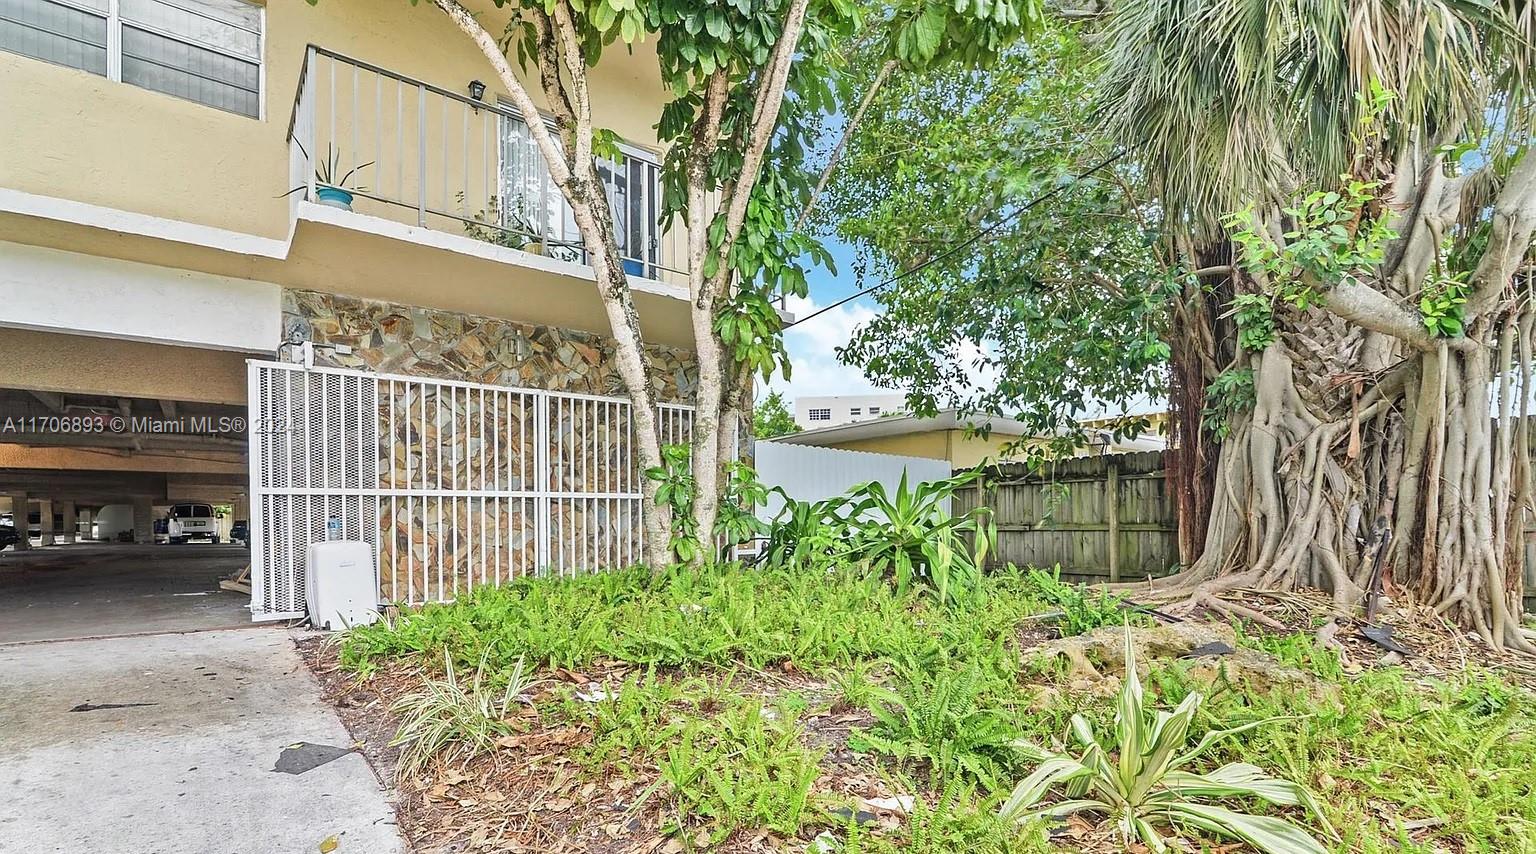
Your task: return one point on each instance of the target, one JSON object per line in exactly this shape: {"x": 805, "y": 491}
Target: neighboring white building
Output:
{"x": 830, "y": 411}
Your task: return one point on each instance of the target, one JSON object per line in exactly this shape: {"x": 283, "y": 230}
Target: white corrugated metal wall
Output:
{"x": 809, "y": 473}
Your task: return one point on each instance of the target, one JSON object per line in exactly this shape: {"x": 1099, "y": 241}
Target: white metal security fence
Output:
{"x": 453, "y": 484}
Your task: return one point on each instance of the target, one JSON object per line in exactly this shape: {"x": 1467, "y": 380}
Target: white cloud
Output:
{"x": 812, "y": 350}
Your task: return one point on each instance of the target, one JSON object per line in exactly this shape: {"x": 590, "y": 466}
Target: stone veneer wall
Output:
{"x": 435, "y": 547}
{"x": 404, "y": 339}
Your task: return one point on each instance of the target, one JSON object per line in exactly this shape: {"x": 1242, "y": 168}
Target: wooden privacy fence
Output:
{"x": 1064, "y": 515}
{"x": 1100, "y": 518}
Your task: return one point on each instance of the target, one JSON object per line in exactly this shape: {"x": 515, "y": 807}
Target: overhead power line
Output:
{"x": 953, "y": 250}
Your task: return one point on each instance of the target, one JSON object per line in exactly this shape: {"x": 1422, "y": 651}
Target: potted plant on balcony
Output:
{"x": 332, "y": 187}
{"x": 511, "y": 228}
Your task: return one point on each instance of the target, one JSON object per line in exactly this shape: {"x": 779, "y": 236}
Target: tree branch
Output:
{"x": 575, "y": 67}
{"x": 836, "y": 156}
{"x": 549, "y": 78}
{"x": 765, "y": 116}
{"x": 558, "y": 170}
{"x": 1509, "y": 237}
{"x": 1371, "y": 309}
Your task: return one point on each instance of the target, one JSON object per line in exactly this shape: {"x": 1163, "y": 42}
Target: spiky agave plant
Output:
{"x": 1140, "y": 781}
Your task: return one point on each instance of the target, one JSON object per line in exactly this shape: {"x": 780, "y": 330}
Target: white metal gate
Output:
{"x": 453, "y": 484}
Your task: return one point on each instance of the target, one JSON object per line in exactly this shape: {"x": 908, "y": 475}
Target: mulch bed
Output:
{"x": 530, "y": 795}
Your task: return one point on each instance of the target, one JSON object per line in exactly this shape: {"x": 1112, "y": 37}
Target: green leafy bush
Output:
{"x": 952, "y": 823}
{"x": 745, "y": 767}
{"x": 946, "y": 719}
{"x": 735, "y": 521}
{"x": 1082, "y": 609}
{"x": 909, "y": 535}
{"x": 906, "y": 534}
{"x": 1138, "y": 779}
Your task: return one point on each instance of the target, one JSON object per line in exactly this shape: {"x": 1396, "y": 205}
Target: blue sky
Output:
{"x": 811, "y": 344}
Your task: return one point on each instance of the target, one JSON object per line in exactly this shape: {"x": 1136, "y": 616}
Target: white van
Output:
{"x": 191, "y": 521}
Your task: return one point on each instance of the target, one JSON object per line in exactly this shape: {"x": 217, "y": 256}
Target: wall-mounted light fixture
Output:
{"x": 476, "y": 90}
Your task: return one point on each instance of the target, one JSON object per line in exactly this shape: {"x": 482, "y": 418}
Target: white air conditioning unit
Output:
{"x": 340, "y": 586}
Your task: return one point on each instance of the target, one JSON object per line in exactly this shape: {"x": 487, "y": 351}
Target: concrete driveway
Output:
{"x": 100, "y": 589}
{"x": 157, "y": 744}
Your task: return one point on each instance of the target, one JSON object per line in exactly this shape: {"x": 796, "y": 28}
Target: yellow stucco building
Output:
{"x": 952, "y": 437}
{"x": 323, "y": 219}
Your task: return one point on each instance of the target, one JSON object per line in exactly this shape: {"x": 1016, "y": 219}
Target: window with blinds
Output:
{"x": 208, "y": 51}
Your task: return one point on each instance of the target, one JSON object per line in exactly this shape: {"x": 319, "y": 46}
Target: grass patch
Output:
{"x": 939, "y": 692}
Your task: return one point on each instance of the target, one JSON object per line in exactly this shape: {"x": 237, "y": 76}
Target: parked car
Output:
{"x": 241, "y": 532}
{"x": 8, "y": 536}
{"x": 192, "y": 521}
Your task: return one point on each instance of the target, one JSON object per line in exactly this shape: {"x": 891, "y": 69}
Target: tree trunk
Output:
{"x": 1328, "y": 451}
{"x": 1363, "y": 420}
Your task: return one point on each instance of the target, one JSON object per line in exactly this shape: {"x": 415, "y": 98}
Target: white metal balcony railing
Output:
{"x": 416, "y": 153}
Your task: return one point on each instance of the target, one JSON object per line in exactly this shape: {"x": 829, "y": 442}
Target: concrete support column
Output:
{"x": 241, "y": 508}
{"x": 71, "y": 530}
{"x": 85, "y": 524}
{"x": 19, "y": 509}
{"x": 143, "y": 522}
{"x": 45, "y": 520}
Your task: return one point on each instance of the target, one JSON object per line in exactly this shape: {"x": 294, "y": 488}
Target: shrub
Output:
{"x": 1082, "y": 608}
{"x": 447, "y": 717}
{"x": 745, "y": 767}
{"x": 907, "y": 535}
{"x": 1138, "y": 779}
{"x": 944, "y": 718}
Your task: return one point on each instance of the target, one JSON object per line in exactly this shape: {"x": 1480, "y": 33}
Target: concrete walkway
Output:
{"x": 184, "y": 763}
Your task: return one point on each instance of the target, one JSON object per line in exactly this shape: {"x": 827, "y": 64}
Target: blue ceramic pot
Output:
{"x": 334, "y": 197}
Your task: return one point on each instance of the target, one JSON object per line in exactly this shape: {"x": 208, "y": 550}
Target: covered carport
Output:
{"x": 98, "y": 439}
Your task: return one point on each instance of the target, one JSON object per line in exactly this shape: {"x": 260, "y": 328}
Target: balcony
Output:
{"x": 417, "y": 155}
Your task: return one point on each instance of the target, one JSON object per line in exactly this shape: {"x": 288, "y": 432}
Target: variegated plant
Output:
{"x": 1141, "y": 782}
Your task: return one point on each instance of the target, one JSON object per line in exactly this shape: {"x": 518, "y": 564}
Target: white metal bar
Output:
{"x": 580, "y": 502}
{"x": 445, "y": 383}
{"x": 453, "y": 479}
{"x": 421, "y": 155}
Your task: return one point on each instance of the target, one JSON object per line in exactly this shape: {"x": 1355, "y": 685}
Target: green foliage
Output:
{"x": 857, "y": 687}
{"x": 948, "y": 720}
{"x": 446, "y": 717}
{"x": 632, "y": 723}
{"x": 1082, "y": 609}
{"x": 1255, "y": 318}
{"x": 736, "y": 521}
{"x": 1454, "y": 752}
{"x": 510, "y": 228}
{"x": 1441, "y": 304}
{"x": 742, "y": 768}
{"x": 1230, "y": 101}
{"x": 1379, "y": 748}
{"x": 750, "y": 326}
{"x": 952, "y": 823}
{"x": 909, "y": 535}
{"x": 719, "y": 618}
{"x": 771, "y": 417}
{"x": 1332, "y": 240}
{"x": 805, "y": 533}
{"x": 1229, "y": 395}
{"x": 1062, "y": 307}
{"x": 329, "y": 171}
{"x": 906, "y": 534}
{"x": 1137, "y": 777}
{"x": 677, "y": 487}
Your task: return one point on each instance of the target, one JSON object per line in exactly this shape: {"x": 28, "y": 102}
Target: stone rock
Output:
{"x": 1094, "y": 663}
